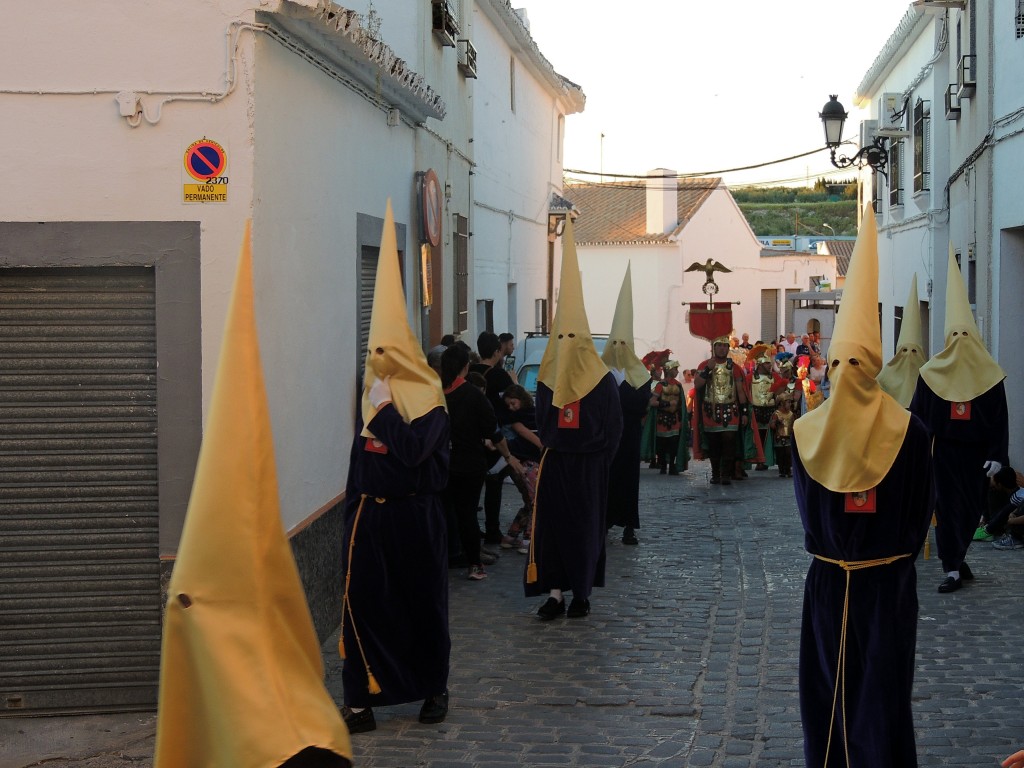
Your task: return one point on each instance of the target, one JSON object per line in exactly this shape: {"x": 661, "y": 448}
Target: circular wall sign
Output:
{"x": 431, "y": 212}
{"x": 205, "y": 159}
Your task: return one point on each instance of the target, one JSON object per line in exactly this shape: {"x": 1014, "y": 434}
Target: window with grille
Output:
{"x": 895, "y": 174}
{"x": 1019, "y": 19}
{"x": 922, "y": 145}
{"x": 461, "y": 248}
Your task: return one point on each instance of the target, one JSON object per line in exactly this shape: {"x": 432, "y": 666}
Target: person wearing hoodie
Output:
{"x": 861, "y": 472}
{"x": 579, "y": 422}
{"x": 961, "y": 399}
{"x": 634, "y": 381}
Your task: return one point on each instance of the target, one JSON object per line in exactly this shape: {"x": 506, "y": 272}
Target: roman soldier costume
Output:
{"x": 764, "y": 386}
{"x": 722, "y": 405}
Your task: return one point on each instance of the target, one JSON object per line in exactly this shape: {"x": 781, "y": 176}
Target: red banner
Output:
{"x": 710, "y": 323}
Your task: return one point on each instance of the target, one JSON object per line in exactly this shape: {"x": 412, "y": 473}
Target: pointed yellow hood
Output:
{"x": 241, "y": 677}
{"x": 392, "y": 349}
{"x": 899, "y": 376}
{"x": 850, "y": 442}
{"x": 570, "y": 367}
{"x": 964, "y": 369}
{"x": 619, "y": 352}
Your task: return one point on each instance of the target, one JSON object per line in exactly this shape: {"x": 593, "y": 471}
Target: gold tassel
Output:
{"x": 371, "y": 682}
{"x": 531, "y": 568}
{"x": 341, "y": 646}
{"x": 531, "y": 573}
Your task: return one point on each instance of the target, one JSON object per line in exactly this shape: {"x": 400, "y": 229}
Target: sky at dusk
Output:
{"x": 704, "y": 87}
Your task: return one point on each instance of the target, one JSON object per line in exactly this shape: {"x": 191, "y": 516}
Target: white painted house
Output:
{"x": 945, "y": 92}
{"x": 138, "y": 136}
{"x": 662, "y": 226}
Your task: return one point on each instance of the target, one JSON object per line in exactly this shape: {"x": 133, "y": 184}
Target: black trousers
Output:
{"x": 722, "y": 453}
{"x": 460, "y": 498}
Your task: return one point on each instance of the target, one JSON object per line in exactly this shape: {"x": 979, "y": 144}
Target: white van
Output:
{"x": 530, "y": 351}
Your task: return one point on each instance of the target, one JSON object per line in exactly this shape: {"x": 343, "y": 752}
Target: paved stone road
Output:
{"x": 689, "y": 655}
{"x": 687, "y": 659}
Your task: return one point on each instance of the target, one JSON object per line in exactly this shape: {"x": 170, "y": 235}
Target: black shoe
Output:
{"x": 551, "y": 609}
{"x": 492, "y": 537}
{"x": 434, "y": 709}
{"x": 629, "y": 537}
{"x": 949, "y": 584}
{"x": 715, "y": 481}
{"x": 761, "y": 468}
{"x": 673, "y": 471}
{"x": 578, "y": 608}
{"x": 965, "y": 572}
{"x": 358, "y": 722}
{"x": 726, "y": 481}
{"x": 663, "y": 470}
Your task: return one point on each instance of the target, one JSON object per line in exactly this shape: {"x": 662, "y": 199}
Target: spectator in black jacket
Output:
{"x": 473, "y": 424}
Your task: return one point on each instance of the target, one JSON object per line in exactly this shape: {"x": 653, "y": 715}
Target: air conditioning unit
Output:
{"x": 868, "y": 131}
{"x": 445, "y": 26}
{"x": 965, "y": 77}
{"x": 891, "y": 109}
{"x": 952, "y": 102}
{"x": 467, "y": 57}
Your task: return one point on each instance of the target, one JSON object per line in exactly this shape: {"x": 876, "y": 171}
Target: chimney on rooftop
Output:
{"x": 662, "y": 201}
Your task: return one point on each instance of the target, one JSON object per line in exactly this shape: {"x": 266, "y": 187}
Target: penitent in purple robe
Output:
{"x": 624, "y": 481}
{"x": 398, "y": 589}
{"x": 881, "y": 627}
{"x": 966, "y": 436}
{"x": 572, "y": 490}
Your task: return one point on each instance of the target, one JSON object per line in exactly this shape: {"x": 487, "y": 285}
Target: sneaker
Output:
{"x": 488, "y": 558}
{"x": 524, "y": 547}
{"x": 982, "y": 535}
{"x": 510, "y": 542}
{"x": 1007, "y": 541}
{"x": 477, "y": 573}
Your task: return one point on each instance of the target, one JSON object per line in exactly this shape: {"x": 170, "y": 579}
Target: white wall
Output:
{"x": 660, "y": 283}
{"x": 324, "y": 155}
{"x": 307, "y": 257}
{"x": 510, "y": 248}
{"x": 1008, "y": 219}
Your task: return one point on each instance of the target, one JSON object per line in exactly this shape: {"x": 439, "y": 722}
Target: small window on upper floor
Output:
{"x": 895, "y": 173}
{"x": 560, "y": 138}
{"x": 922, "y": 145}
{"x": 1018, "y": 18}
{"x": 512, "y": 83}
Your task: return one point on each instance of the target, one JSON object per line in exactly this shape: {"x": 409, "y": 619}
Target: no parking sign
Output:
{"x": 205, "y": 162}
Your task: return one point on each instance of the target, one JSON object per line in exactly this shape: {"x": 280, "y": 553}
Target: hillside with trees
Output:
{"x": 800, "y": 210}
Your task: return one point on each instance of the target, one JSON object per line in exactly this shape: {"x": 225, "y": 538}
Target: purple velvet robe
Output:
{"x": 962, "y": 446}
{"x": 572, "y": 491}
{"x": 398, "y": 589}
{"x": 624, "y": 478}
{"x": 881, "y": 632}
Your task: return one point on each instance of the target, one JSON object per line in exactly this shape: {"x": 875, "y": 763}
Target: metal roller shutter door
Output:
{"x": 79, "y": 555}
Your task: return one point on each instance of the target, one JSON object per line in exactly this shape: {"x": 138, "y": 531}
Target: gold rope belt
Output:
{"x": 346, "y": 605}
{"x": 849, "y": 566}
{"x": 531, "y": 566}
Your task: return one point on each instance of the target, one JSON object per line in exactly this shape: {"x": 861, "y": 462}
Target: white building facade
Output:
{"x": 143, "y": 135}
{"x": 662, "y": 227}
{"x": 945, "y": 92}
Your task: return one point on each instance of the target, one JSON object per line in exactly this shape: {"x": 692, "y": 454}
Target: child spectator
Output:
{"x": 781, "y": 425}
{"x": 520, "y": 429}
{"x": 1007, "y": 522}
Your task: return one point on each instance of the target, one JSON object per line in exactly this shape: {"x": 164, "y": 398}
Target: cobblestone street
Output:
{"x": 689, "y": 657}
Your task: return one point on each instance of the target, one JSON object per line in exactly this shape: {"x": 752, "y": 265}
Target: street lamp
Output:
{"x": 833, "y": 116}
